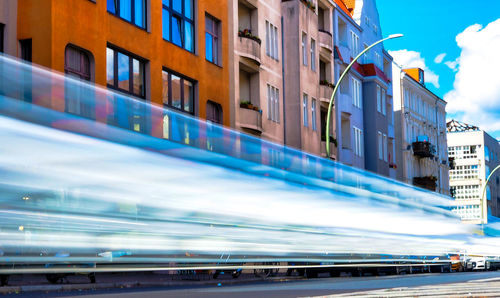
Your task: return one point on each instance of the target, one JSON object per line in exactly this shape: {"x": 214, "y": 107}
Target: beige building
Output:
{"x": 8, "y": 27}
{"x": 420, "y": 129}
{"x": 473, "y": 155}
{"x": 277, "y": 94}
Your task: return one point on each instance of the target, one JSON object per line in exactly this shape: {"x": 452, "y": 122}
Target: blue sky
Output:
{"x": 431, "y": 28}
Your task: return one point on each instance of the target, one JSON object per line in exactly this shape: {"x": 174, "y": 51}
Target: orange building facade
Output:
{"x": 167, "y": 52}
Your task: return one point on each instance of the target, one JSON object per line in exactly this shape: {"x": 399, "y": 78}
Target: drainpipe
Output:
{"x": 283, "y": 78}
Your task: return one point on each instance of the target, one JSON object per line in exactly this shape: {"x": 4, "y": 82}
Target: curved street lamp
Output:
{"x": 484, "y": 192}
{"x": 338, "y": 84}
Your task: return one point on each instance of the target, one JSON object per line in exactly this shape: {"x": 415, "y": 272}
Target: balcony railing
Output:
{"x": 326, "y": 40}
{"x": 427, "y": 182}
{"x": 251, "y": 119}
{"x": 249, "y": 47}
{"x": 423, "y": 149}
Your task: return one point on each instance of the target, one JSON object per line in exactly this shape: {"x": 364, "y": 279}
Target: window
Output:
{"x": 380, "y": 146}
{"x": 178, "y": 23}
{"x": 133, "y": 11}
{"x": 178, "y": 92}
{"x": 354, "y": 44}
{"x": 313, "y": 114}
{"x": 486, "y": 153}
{"x": 356, "y": 93}
{"x": 273, "y": 107}
{"x": 304, "y": 49}
{"x": 385, "y": 147}
{"x": 78, "y": 99}
{"x": 214, "y": 112}
{"x": 379, "y": 100}
{"x": 26, "y": 49}
{"x": 378, "y": 60}
{"x": 304, "y": 110}
{"x": 313, "y": 55}
{"x": 2, "y": 28}
{"x": 358, "y": 141}
{"x": 125, "y": 72}
{"x": 212, "y": 43}
{"x": 384, "y": 102}
{"x": 271, "y": 41}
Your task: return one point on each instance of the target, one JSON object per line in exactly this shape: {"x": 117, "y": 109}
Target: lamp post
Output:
{"x": 338, "y": 84}
{"x": 484, "y": 191}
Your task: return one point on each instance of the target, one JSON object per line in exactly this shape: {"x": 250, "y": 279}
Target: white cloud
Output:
{"x": 439, "y": 58}
{"x": 410, "y": 59}
{"x": 453, "y": 65}
{"x": 475, "y": 98}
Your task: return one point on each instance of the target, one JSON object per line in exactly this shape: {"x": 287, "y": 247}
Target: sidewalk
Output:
{"x": 38, "y": 283}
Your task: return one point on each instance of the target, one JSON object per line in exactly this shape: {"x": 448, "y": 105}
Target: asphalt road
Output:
{"x": 469, "y": 282}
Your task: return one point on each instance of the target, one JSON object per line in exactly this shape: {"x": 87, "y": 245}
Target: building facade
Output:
{"x": 473, "y": 155}
{"x": 282, "y": 54}
{"x": 420, "y": 129}
{"x": 171, "y": 53}
{"x": 364, "y": 106}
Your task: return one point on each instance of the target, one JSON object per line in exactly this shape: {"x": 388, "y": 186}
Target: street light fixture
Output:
{"x": 484, "y": 192}
{"x": 338, "y": 84}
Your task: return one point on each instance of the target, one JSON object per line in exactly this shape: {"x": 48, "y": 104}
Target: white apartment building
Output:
{"x": 420, "y": 128}
{"x": 473, "y": 154}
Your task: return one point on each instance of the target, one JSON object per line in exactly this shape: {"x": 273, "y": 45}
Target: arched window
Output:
{"x": 79, "y": 98}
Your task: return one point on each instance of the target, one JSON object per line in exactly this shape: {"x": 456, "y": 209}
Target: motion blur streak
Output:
{"x": 108, "y": 186}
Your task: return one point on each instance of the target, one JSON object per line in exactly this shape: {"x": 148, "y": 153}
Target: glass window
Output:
{"x": 178, "y": 23}
{"x": 304, "y": 49}
{"x": 214, "y": 112}
{"x": 133, "y": 11}
{"x": 304, "y": 110}
{"x": 178, "y": 92}
{"x": 271, "y": 40}
{"x": 313, "y": 55}
{"x": 273, "y": 107}
{"x": 212, "y": 39}
{"x": 313, "y": 114}
{"x": 125, "y": 72}
{"x": 79, "y": 99}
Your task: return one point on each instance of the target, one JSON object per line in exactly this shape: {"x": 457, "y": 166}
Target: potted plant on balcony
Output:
{"x": 309, "y": 4}
{"x": 326, "y": 83}
{"x": 247, "y": 33}
{"x": 246, "y": 104}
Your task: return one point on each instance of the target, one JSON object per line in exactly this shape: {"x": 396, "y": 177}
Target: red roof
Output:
{"x": 343, "y": 6}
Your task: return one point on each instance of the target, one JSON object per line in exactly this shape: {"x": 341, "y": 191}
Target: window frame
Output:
{"x": 313, "y": 54}
{"x": 313, "y": 114}
{"x": 273, "y": 106}
{"x": 131, "y": 70}
{"x": 304, "y": 49}
{"x": 25, "y": 45}
{"x": 182, "y": 16}
{"x": 305, "y": 105}
{"x": 132, "y": 11}
{"x": 218, "y": 109}
{"x": 215, "y": 45}
{"x": 182, "y": 79}
{"x": 272, "y": 41}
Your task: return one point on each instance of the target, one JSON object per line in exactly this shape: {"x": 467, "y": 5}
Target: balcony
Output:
{"x": 346, "y": 156}
{"x": 325, "y": 40}
{"x": 249, "y": 47}
{"x": 251, "y": 119}
{"x": 423, "y": 149}
{"x": 345, "y": 103}
{"x": 390, "y": 131}
{"x": 325, "y": 93}
{"x": 427, "y": 182}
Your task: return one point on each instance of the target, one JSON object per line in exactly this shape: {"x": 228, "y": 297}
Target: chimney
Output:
{"x": 416, "y": 73}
